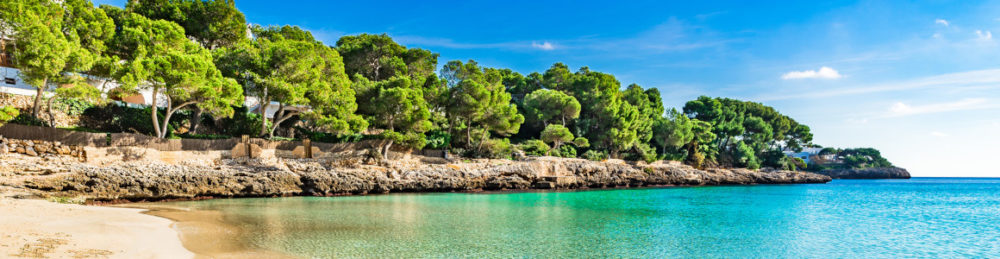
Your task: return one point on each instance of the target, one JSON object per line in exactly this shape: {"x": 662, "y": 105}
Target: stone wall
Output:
{"x": 41, "y": 148}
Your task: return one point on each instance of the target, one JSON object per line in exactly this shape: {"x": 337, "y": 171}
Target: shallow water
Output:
{"x": 921, "y": 217}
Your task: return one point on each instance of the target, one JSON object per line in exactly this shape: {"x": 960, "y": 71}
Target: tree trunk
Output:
{"x": 385, "y": 150}
{"x": 195, "y": 120}
{"x": 156, "y": 121}
{"x": 262, "y": 109}
{"x": 277, "y": 115}
{"x": 170, "y": 112}
{"x": 277, "y": 121}
{"x": 52, "y": 117}
{"x": 40, "y": 90}
{"x": 468, "y": 133}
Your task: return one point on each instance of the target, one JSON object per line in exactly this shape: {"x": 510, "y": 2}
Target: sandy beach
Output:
{"x": 43, "y": 229}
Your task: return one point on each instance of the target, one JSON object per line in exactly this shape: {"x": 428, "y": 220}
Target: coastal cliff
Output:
{"x": 346, "y": 175}
{"x": 867, "y": 173}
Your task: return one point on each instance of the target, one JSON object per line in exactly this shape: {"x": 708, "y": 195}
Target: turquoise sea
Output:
{"x": 920, "y": 217}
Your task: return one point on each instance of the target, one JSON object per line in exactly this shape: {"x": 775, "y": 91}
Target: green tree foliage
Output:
{"x": 547, "y": 106}
{"x": 479, "y": 103}
{"x": 54, "y": 39}
{"x": 306, "y": 78}
{"x": 863, "y": 158}
{"x": 213, "y": 23}
{"x": 758, "y": 127}
{"x": 159, "y": 57}
{"x": 557, "y": 135}
{"x": 378, "y": 57}
{"x": 395, "y": 87}
{"x": 403, "y": 113}
{"x": 607, "y": 119}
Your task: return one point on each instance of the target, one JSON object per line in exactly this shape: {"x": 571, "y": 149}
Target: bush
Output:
{"x": 438, "y": 139}
{"x": 595, "y": 155}
{"x": 493, "y": 148}
{"x": 72, "y": 106}
{"x": 567, "y": 151}
{"x": 642, "y": 152}
{"x": 534, "y": 147}
{"x": 8, "y": 113}
{"x": 118, "y": 118}
{"x": 242, "y": 123}
{"x": 27, "y": 119}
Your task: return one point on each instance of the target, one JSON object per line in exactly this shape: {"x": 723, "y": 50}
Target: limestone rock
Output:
{"x": 867, "y": 173}
{"x": 254, "y": 178}
{"x": 30, "y": 151}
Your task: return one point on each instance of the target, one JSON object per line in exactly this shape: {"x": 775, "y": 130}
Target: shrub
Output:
{"x": 642, "y": 152}
{"x": 118, "y": 118}
{"x": 534, "y": 147}
{"x": 567, "y": 151}
{"x": 27, "y": 119}
{"x": 595, "y": 155}
{"x": 493, "y": 148}
{"x": 72, "y": 106}
{"x": 438, "y": 139}
{"x": 8, "y": 113}
{"x": 242, "y": 123}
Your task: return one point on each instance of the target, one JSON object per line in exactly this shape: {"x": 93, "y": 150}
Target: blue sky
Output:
{"x": 919, "y": 81}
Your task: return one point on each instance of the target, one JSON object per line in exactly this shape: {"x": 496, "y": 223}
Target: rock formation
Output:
{"x": 867, "y": 173}
{"x": 349, "y": 175}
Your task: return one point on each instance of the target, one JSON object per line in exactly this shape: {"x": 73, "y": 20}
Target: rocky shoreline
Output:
{"x": 348, "y": 175}
{"x": 867, "y": 173}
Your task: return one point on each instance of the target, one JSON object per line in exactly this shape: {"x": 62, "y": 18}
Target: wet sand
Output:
{"x": 43, "y": 229}
{"x": 206, "y": 234}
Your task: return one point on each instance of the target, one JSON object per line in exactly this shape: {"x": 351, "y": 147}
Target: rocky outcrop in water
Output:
{"x": 867, "y": 173}
{"x": 286, "y": 177}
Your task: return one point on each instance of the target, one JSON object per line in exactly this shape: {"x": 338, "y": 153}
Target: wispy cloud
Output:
{"x": 900, "y": 109}
{"x": 821, "y": 73}
{"x": 942, "y": 22}
{"x": 984, "y": 35}
{"x": 449, "y": 43}
{"x": 940, "y": 134}
{"x": 543, "y": 46}
{"x": 989, "y": 78}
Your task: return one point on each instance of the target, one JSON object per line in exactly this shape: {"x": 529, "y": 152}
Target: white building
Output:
{"x": 805, "y": 154}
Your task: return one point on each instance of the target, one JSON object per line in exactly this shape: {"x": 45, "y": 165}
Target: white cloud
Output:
{"x": 936, "y": 36}
{"x": 942, "y": 22}
{"x": 543, "y": 46}
{"x": 984, "y": 35}
{"x": 822, "y": 73}
{"x": 901, "y": 109}
{"x": 940, "y": 134}
{"x": 987, "y": 78}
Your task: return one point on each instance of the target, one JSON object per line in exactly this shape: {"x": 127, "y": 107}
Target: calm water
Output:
{"x": 923, "y": 217}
